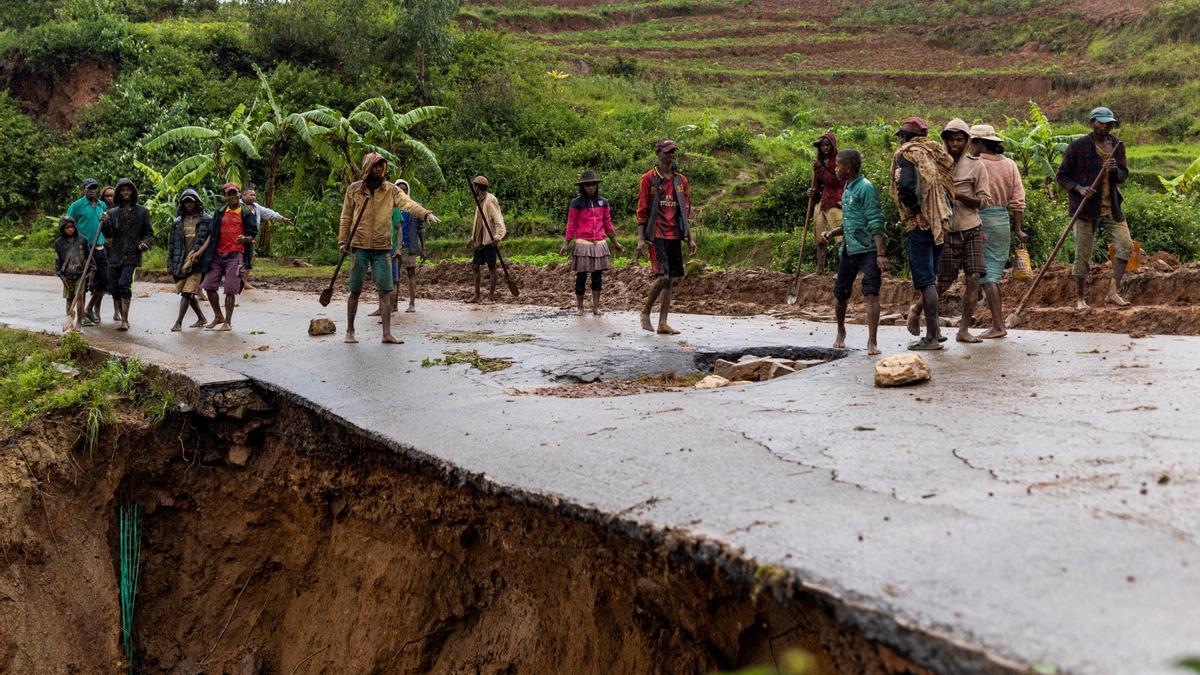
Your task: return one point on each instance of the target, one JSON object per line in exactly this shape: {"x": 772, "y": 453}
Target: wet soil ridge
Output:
{"x": 276, "y": 539}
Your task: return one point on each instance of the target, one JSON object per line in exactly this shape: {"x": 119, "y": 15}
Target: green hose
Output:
{"x": 130, "y": 524}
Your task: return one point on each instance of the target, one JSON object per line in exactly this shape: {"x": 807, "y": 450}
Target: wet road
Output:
{"x": 1038, "y": 500}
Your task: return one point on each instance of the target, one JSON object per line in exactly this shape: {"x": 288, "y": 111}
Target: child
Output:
{"x": 589, "y": 222}
{"x": 408, "y": 242}
{"x": 190, "y": 222}
{"x": 862, "y": 248}
{"x": 71, "y": 252}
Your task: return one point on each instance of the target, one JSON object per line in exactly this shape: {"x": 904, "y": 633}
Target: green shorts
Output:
{"x": 69, "y": 288}
{"x": 380, "y": 264}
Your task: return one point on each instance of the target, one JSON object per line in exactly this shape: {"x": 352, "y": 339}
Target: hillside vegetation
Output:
{"x": 536, "y": 92}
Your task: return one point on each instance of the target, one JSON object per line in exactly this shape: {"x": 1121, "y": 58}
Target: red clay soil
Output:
{"x": 1164, "y": 303}
{"x": 60, "y": 99}
{"x": 325, "y": 553}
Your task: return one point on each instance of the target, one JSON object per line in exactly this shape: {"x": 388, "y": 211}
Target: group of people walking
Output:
{"x": 960, "y": 200}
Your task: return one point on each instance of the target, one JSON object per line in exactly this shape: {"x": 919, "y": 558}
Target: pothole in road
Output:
{"x": 632, "y": 373}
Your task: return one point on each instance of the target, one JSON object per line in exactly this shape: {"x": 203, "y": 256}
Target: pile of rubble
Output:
{"x": 751, "y": 368}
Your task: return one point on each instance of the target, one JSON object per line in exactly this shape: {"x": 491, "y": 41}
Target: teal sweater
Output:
{"x": 862, "y": 218}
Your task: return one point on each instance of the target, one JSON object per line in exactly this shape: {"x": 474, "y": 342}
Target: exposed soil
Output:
{"x": 324, "y": 552}
{"x": 1164, "y": 302}
{"x": 58, "y": 98}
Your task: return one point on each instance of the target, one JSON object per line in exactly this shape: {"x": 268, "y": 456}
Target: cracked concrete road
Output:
{"x": 1037, "y": 502}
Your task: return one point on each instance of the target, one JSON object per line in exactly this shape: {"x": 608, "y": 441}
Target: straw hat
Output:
{"x": 985, "y": 132}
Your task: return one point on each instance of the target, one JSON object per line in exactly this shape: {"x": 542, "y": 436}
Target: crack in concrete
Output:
{"x": 991, "y": 472}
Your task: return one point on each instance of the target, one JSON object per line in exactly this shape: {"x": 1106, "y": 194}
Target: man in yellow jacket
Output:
{"x": 369, "y": 203}
{"x": 485, "y": 245}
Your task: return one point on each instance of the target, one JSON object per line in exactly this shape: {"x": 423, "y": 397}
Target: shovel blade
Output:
{"x": 326, "y": 296}
{"x": 1012, "y": 320}
{"x": 512, "y": 287}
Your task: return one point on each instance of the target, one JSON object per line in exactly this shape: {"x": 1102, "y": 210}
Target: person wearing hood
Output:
{"x": 87, "y": 212}
{"x": 827, "y": 215}
{"x": 70, "y": 257}
{"x": 108, "y": 195}
{"x": 128, "y": 233}
{"x": 366, "y": 231}
{"x": 589, "y": 224}
{"x": 224, "y": 260}
{"x": 190, "y": 223}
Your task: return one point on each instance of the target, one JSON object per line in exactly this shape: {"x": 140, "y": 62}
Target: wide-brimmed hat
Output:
{"x": 1103, "y": 115}
{"x": 958, "y": 125}
{"x": 985, "y": 132}
{"x": 587, "y": 177}
{"x": 480, "y": 180}
{"x": 914, "y": 125}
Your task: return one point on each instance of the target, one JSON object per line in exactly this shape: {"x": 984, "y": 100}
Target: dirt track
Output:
{"x": 1164, "y": 303}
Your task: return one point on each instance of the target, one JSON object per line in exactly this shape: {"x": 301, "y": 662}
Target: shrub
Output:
{"x": 1162, "y": 221}
{"x": 23, "y": 144}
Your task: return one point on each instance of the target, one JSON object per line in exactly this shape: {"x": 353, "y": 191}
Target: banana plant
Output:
{"x": 387, "y": 132}
{"x": 229, "y": 149}
{"x": 330, "y": 136}
{"x": 1033, "y": 144}
{"x": 1184, "y": 183}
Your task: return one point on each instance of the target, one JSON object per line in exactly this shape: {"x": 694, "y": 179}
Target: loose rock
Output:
{"x": 321, "y": 326}
{"x": 900, "y": 370}
{"x": 712, "y": 382}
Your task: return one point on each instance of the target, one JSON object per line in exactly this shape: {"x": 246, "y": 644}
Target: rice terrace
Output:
{"x": 592, "y": 336}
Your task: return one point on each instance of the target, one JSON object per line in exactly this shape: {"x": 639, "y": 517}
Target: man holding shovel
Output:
{"x": 1081, "y": 164}
{"x": 485, "y": 242}
{"x": 366, "y": 230}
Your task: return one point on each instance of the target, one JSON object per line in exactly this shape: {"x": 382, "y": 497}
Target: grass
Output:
{"x": 470, "y": 336}
{"x": 40, "y": 375}
{"x": 485, "y": 364}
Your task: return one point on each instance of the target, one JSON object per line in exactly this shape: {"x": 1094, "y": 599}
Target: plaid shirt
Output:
{"x": 1080, "y": 166}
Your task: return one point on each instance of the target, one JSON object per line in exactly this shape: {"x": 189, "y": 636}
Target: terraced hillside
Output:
{"x": 868, "y": 58}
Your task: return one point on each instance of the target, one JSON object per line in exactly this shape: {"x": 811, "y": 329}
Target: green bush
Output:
{"x": 1163, "y": 222}
{"x": 23, "y": 143}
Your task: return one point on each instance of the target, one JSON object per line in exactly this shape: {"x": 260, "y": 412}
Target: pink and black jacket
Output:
{"x": 589, "y": 218}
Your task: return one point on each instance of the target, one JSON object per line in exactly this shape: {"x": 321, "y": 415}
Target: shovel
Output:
{"x": 1014, "y": 319}
{"x": 512, "y": 283}
{"x": 794, "y": 289}
{"x": 327, "y": 294}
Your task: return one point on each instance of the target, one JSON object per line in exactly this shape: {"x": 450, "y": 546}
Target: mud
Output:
{"x": 57, "y": 99}
{"x": 1163, "y": 302}
{"x": 276, "y": 541}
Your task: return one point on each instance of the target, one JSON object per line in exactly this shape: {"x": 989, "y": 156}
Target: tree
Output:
{"x": 424, "y": 29}
{"x": 386, "y": 132}
{"x": 331, "y": 136}
{"x": 229, "y": 151}
{"x": 273, "y": 139}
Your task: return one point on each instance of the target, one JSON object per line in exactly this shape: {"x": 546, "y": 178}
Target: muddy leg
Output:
{"x": 1114, "y": 291}
{"x": 914, "y": 315}
{"x": 385, "y": 302}
{"x": 230, "y": 303}
{"x": 351, "y": 310}
{"x": 183, "y": 308}
{"x": 821, "y": 248}
{"x": 929, "y": 302}
{"x": 663, "y": 327}
{"x": 200, "y": 319}
{"x": 215, "y": 303}
{"x": 1080, "y": 291}
{"x": 839, "y": 310}
{"x": 123, "y": 312}
{"x": 478, "y": 280}
{"x": 994, "y": 302}
{"x": 411, "y": 273}
{"x": 872, "y": 324}
{"x": 968, "y": 310}
{"x": 655, "y": 290}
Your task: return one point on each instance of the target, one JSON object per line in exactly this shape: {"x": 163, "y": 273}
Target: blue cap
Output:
{"x": 90, "y": 182}
{"x": 1103, "y": 115}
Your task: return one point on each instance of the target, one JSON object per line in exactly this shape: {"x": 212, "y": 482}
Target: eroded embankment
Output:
{"x": 301, "y": 546}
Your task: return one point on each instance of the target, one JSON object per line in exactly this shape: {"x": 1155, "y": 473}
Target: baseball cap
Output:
{"x": 90, "y": 182}
{"x": 230, "y": 186}
{"x": 1103, "y": 115}
{"x": 665, "y": 145}
{"x": 480, "y": 180}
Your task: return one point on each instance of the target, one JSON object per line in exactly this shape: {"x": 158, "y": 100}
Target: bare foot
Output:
{"x": 350, "y": 339}
{"x": 1081, "y": 304}
{"x": 199, "y": 323}
{"x": 840, "y": 342}
{"x": 914, "y": 323}
{"x": 176, "y": 328}
{"x": 993, "y": 333}
{"x": 217, "y": 321}
{"x": 872, "y": 349}
{"x": 964, "y": 336}
{"x": 225, "y": 327}
{"x": 123, "y": 326}
{"x": 578, "y": 311}
{"x": 411, "y": 308}
{"x": 474, "y": 300}
{"x": 664, "y": 329}
{"x": 1114, "y": 298}
{"x": 375, "y": 313}
{"x": 646, "y": 325}
{"x": 597, "y": 311}
{"x": 389, "y": 340}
